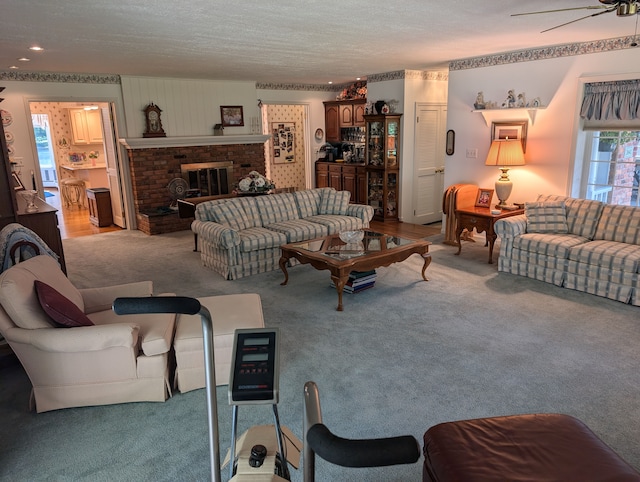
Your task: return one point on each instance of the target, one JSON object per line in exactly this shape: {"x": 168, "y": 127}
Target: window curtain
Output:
{"x": 611, "y": 101}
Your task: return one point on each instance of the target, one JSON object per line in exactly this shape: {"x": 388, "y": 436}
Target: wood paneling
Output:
{"x": 189, "y": 107}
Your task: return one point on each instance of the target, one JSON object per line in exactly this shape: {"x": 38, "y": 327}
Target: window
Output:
{"x": 609, "y": 169}
{"x": 612, "y": 167}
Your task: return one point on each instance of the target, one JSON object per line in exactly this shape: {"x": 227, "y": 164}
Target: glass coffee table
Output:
{"x": 374, "y": 251}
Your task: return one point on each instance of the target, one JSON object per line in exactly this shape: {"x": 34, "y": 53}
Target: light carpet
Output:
{"x": 402, "y": 357}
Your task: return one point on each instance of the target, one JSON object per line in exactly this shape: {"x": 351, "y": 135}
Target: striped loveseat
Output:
{"x": 580, "y": 244}
{"x": 241, "y": 236}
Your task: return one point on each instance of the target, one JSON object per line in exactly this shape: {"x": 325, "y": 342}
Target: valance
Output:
{"x": 608, "y": 101}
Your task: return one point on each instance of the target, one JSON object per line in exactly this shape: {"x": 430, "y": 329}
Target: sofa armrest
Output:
{"x": 215, "y": 233}
{"x": 77, "y": 340}
{"x": 362, "y": 211}
{"x": 101, "y": 299}
{"x": 509, "y": 228}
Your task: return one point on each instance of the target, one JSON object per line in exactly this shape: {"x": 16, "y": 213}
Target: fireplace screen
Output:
{"x": 209, "y": 178}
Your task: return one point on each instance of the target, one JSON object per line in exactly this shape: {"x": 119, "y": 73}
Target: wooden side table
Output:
{"x": 99, "y": 199}
{"x": 482, "y": 220}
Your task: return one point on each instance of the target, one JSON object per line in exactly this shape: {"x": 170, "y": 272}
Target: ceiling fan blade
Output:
{"x": 581, "y": 18}
{"x": 592, "y": 7}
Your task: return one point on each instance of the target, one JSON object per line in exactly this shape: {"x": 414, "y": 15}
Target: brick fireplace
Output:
{"x": 155, "y": 162}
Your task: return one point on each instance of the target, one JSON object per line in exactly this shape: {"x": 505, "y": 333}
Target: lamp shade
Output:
{"x": 505, "y": 153}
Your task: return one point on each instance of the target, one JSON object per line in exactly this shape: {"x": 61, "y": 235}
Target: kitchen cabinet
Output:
{"x": 382, "y": 158}
{"x": 86, "y": 126}
{"x": 341, "y": 117}
{"x": 322, "y": 174}
{"x": 343, "y": 177}
{"x": 335, "y": 177}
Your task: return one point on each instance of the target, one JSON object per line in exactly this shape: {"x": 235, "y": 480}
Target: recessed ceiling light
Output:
{"x": 331, "y": 82}
{"x": 14, "y": 67}
{"x": 357, "y": 78}
{"x": 24, "y": 59}
{"x": 35, "y": 48}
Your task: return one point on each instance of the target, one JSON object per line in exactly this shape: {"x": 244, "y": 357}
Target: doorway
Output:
{"x": 287, "y": 153}
{"x": 75, "y": 141}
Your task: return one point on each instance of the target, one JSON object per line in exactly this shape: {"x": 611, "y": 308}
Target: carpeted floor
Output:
{"x": 402, "y": 357}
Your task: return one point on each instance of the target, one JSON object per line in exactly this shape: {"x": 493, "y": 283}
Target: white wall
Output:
{"x": 550, "y": 141}
{"x": 189, "y": 107}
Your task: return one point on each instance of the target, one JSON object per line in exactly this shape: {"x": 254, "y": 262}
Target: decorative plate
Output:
{"x": 319, "y": 134}
{"x": 7, "y": 118}
{"x": 8, "y": 136}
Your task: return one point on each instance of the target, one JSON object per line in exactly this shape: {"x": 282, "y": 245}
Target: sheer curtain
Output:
{"x": 611, "y": 101}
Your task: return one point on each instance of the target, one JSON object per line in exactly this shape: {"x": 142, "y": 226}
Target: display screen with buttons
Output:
{"x": 254, "y": 373}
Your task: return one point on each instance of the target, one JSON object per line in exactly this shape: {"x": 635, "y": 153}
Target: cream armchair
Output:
{"x": 117, "y": 359}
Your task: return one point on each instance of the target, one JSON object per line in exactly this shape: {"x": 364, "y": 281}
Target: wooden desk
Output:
{"x": 482, "y": 220}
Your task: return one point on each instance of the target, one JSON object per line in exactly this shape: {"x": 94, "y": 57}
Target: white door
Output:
{"x": 117, "y": 208}
{"x": 428, "y": 175}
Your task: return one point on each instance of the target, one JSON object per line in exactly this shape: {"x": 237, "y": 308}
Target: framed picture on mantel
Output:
{"x": 231, "y": 115}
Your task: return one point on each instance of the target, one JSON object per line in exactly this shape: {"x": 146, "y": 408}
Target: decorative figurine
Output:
{"x": 521, "y": 102}
{"x": 510, "y": 102}
{"x": 479, "y": 104}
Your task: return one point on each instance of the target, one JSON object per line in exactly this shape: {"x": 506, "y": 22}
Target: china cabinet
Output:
{"x": 382, "y": 158}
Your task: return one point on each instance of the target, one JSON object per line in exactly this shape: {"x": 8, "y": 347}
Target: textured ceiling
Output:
{"x": 288, "y": 41}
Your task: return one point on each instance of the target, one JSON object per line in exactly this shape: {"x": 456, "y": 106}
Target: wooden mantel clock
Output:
{"x": 153, "y": 124}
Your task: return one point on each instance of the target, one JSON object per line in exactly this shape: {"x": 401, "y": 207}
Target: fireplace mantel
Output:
{"x": 156, "y": 142}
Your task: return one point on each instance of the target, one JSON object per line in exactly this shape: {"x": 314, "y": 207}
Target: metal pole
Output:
{"x": 212, "y": 405}
{"x": 312, "y": 416}
{"x": 234, "y": 434}
{"x": 281, "y": 447}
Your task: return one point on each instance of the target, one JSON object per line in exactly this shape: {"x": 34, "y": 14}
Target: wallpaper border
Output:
{"x": 543, "y": 53}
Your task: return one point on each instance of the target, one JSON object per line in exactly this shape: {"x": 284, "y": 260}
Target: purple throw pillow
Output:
{"x": 60, "y": 309}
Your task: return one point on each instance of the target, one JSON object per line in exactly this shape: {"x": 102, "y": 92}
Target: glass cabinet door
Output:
{"x": 383, "y": 165}
{"x": 392, "y": 195}
{"x": 375, "y": 192}
{"x": 391, "y": 153}
{"x": 375, "y": 139}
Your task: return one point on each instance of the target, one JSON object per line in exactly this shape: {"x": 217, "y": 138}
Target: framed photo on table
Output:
{"x": 232, "y": 115}
{"x": 483, "y": 199}
{"x": 510, "y": 130}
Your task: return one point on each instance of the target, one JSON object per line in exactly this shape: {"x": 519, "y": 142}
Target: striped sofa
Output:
{"x": 580, "y": 244}
{"x": 241, "y": 236}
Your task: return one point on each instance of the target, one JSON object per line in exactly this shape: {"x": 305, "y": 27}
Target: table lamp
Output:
{"x": 504, "y": 153}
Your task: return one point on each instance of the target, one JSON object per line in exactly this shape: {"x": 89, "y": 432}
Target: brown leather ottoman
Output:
{"x": 541, "y": 447}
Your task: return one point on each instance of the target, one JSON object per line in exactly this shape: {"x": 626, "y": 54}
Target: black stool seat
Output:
{"x": 536, "y": 447}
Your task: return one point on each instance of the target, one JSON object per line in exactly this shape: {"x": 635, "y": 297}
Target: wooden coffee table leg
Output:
{"x": 339, "y": 282}
{"x": 427, "y": 262}
{"x": 283, "y": 267}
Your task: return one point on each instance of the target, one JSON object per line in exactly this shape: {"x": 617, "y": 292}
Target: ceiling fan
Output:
{"x": 623, "y": 8}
